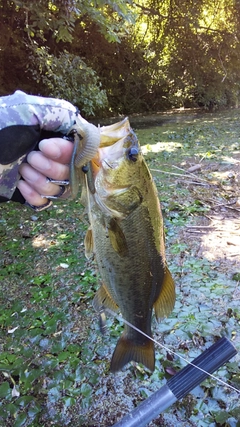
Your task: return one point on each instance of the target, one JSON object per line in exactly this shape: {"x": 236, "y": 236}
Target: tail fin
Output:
{"x": 126, "y": 350}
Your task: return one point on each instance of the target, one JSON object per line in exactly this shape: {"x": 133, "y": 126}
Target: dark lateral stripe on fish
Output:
{"x": 126, "y": 351}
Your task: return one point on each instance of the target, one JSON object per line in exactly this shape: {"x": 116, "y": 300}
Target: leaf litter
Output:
{"x": 56, "y": 357}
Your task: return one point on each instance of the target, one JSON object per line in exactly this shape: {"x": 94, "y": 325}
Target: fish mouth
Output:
{"x": 104, "y": 183}
{"x": 108, "y": 157}
{"x": 113, "y": 151}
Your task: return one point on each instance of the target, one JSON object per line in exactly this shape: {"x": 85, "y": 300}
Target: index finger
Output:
{"x": 57, "y": 149}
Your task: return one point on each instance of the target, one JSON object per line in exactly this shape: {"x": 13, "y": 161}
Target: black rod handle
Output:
{"x": 180, "y": 385}
{"x": 209, "y": 361}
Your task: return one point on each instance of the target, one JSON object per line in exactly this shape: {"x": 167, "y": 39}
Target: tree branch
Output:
{"x": 149, "y": 10}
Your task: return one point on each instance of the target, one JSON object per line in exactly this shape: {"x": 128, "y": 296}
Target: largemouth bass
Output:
{"x": 126, "y": 237}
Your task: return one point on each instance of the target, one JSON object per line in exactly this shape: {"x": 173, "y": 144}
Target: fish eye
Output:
{"x": 133, "y": 153}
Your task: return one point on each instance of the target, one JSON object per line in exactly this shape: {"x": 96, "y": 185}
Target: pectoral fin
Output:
{"x": 88, "y": 243}
{"x": 117, "y": 238}
{"x": 102, "y": 322}
{"x": 166, "y": 299}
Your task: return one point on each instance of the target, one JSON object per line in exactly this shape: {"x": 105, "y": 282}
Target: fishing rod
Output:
{"x": 180, "y": 384}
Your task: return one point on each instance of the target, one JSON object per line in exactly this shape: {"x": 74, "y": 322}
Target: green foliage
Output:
{"x": 42, "y": 34}
{"x": 39, "y": 360}
{"x": 193, "y": 45}
{"x": 68, "y": 77}
{"x": 123, "y": 57}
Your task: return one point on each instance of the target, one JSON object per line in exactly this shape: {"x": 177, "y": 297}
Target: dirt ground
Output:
{"x": 216, "y": 235}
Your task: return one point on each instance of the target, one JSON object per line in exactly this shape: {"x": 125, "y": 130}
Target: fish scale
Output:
{"x": 127, "y": 239}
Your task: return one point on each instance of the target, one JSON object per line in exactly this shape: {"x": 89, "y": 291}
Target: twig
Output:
{"x": 190, "y": 173}
{"x": 195, "y": 183}
{"x": 217, "y": 205}
{"x": 232, "y": 243}
{"x": 169, "y": 173}
{"x": 197, "y": 231}
{"x": 200, "y": 226}
{"x": 178, "y": 174}
{"x": 225, "y": 206}
{"x": 194, "y": 168}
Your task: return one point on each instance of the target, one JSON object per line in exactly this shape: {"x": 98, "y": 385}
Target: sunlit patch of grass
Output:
{"x": 203, "y": 138}
{"x": 40, "y": 240}
{"x": 160, "y": 146}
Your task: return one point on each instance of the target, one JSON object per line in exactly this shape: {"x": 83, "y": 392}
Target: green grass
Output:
{"x": 54, "y": 363}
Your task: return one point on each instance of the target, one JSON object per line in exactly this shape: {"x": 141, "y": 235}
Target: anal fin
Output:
{"x": 103, "y": 300}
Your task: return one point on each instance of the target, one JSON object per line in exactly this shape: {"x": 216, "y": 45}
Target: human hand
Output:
{"x": 24, "y": 121}
{"x": 50, "y": 163}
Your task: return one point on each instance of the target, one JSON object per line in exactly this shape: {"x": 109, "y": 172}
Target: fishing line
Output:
{"x": 120, "y": 318}
{"x": 88, "y": 200}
